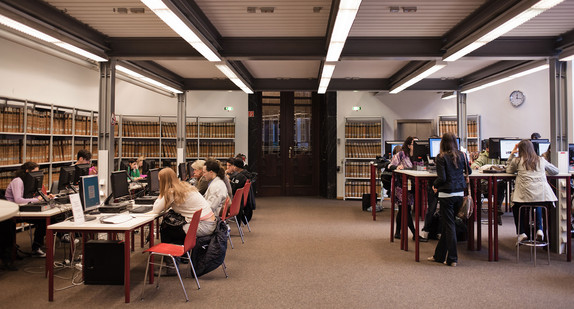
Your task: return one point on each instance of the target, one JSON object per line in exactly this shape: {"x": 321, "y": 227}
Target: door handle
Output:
{"x": 290, "y": 150}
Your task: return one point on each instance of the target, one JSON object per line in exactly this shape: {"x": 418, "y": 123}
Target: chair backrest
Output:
{"x": 246, "y": 189}
{"x": 236, "y": 203}
{"x": 189, "y": 242}
{"x": 225, "y": 210}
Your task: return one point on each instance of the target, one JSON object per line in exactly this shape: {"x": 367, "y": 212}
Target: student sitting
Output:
{"x": 216, "y": 193}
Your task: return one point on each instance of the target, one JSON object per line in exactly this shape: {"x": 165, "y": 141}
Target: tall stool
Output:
{"x": 533, "y": 243}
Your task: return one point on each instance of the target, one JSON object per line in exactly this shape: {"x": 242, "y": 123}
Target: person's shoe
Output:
{"x": 431, "y": 259}
{"x": 65, "y": 239}
{"x": 423, "y": 239}
{"x": 539, "y": 235}
{"x": 451, "y": 264}
{"x": 521, "y": 238}
{"x": 38, "y": 253}
{"x": 397, "y": 235}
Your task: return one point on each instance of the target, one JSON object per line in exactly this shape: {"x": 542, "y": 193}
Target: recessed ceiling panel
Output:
{"x": 116, "y": 18}
{"x": 192, "y": 68}
{"x": 296, "y": 18}
{"x": 391, "y": 18}
{"x": 367, "y": 68}
{"x": 283, "y": 69}
{"x": 460, "y": 68}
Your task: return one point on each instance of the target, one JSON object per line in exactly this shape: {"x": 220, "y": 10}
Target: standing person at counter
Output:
{"x": 450, "y": 183}
{"x": 402, "y": 160}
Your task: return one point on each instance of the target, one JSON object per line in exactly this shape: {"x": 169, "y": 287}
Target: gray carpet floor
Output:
{"x": 318, "y": 253}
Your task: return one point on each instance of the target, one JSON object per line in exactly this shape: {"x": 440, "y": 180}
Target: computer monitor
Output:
{"x": 124, "y": 165}
{"x": 89, "y": 192}
{"x": 119, "y": 182}
{"x": 147, "y": 165}
{"x": 434, "y": 146}
{"x": 540, "y": 147}
{"x": 571, "y": 154}
{"x": 182, "y": 169}
{"x": 390, "y": 146}
{"x": 33, "y": 182}
{"x": 420, "y": 151}
{"x": 66, "y": 177}
{"x": 506, "y": 146}
{"x": 81, "y": 170}
{"x": 153, "y": 180}
{"x": 189, "y": 169}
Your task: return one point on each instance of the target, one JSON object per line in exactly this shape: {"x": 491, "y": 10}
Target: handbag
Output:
{"x": 467, "y": 207}
{"x": 173, "y": 219}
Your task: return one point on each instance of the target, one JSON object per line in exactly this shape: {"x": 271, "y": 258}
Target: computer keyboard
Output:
{"x": 141, "y": 209}
{"x": 145, "y": 200}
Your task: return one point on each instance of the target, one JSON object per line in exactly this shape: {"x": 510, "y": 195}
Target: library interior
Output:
{"x": 256, "y": 147}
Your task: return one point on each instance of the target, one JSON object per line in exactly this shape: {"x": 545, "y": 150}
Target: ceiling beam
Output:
{"x": 197, "y": 18}
{"x": 508, "y": 48}
{"x": 491, "y": 70}
{"x": 392, "y": 48}
{"x": 565, "y": 40}
{"x": 153, "y": 49}
{"x": 275, "y": 48}
{"x": 159, "y": 71}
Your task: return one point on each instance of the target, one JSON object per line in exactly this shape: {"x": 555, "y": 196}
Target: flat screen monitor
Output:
{"x": 124, "y": 165}
{"x": 147, "y": 165}
{"x": 506, "y": 146}
{"x": 66, "y": 177}
{"x": 153, "y": 180}
{"x": 89, "y": 192}
{"x": 33, "y": 183}
{"x": 434, "y": 146}
{"x": 182, "y": 169}
{"x": 540, "y": 147}
{"x": 119, "y": 182}
{"x": 390, "y": 146}
{"x": 420, "y": 151}
{"x": 189, "y": 169}
{"x": 81, "y": 170}
{"x": 571, "y": 154}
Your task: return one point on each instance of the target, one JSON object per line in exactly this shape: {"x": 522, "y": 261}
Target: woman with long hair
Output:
{"x": 450, "y": 183}
{"x": 217, "y": 190}
{"x": 402, "y": 160}
{"x": 185, "y": 200}
{"x": 531, "y": 186}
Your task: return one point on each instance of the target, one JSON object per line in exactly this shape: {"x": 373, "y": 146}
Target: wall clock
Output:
{"x": 517, "y": 98}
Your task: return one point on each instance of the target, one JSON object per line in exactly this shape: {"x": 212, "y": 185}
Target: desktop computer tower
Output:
{"x": 104, "y": 262}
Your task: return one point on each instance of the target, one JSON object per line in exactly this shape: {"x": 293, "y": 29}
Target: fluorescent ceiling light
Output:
{"x": 417, "y": 75}
{"x": 567, "y": 54}
{"x": 233, "y": 77}
{"x": 328, "y": 69}
{"x": 145, "y": 79}
{"x": 47, "y": 38}
{"x": 486, "y": 35}
{"x": 512, "y": 74}
{"x": 177, "y": 25}
{"x": 343, "y": 22}
{"x": 448, "y": 95}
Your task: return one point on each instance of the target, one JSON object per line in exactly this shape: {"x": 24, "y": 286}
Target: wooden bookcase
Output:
{"x": 363, "y": 143}
{"x": 47, "y": 134}
{"x": 210, "y": 137}
{"x": 450, "y": 124}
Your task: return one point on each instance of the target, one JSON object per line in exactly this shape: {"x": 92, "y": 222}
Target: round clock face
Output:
{"x": 517, "y": 98}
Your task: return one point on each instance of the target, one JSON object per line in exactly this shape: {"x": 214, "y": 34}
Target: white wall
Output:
{"x": 211, "y": 103}
{"x": 134, "y": 100}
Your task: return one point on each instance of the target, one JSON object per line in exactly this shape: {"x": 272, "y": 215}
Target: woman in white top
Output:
{"x": 531, "y": 186}
{"x": 216, "y": 191}
{"x": 185, "y": 200}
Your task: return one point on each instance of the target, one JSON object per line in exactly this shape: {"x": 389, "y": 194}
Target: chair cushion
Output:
{"x": 165, "y": 248}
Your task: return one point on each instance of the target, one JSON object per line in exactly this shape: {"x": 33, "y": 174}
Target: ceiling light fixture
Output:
{"x": 177, "y": 25}
{"x": 567, "y": 54}
{"x": 520, "y": 71}
{"x": 47, "y": 38}
{"x": 409, "y": 9}
{"x": 345, "y": 17}
{"x": 147, "y": 80}
{"x": 448, "y": 95}
{"x": 413, "y": 78}
{"x": 328, "y": 69}
{"x": 497, "y": 28}
{"x": 233, "y": 77}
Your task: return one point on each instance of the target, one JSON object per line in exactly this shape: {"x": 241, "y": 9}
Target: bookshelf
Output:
{"x": 450, "y": 123}
{"x": 47, "y": 134}
{"x": 363, "y": 143}
{"x": 210, "y": 137}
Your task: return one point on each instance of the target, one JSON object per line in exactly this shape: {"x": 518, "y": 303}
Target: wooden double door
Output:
{"x": 289, "y": 156}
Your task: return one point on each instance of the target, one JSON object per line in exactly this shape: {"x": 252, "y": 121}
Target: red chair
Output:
{"x": 246, "y": 191}
{"x": 234, "y": 211}
{"x": 172, "y": 251}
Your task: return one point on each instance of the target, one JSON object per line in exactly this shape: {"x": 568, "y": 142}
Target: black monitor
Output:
{"x": 81, "y": 170}
{"x": 33, "y": 182}
{"x": 153, "y": 181}
{"x": 66, "y": 177}
{"x": 189, "y": 169}
{"x": 147, "y": 165}
{"x": 89, "y": 192}
{"x": 540, "y": 147}
{"x": 506, "y": 147}
{"x": 119, "y": 182}
{"x": 390, "y": 146}
{"x": 182, "y": 170}
{"x": 434, "y": 146}
{"x": 571, "y": 154}
{"x": 420, "y": 151}
{"x": 124, "y": 165}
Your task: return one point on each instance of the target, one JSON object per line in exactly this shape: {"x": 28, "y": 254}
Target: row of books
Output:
{"x": 472, "y": 146}
{"x": 210, "y": 130}
{"x": 215, "y": 149}
{"x": 11, "y": 152}
{"x": 38, "y": 121}
{"x": 359, "y": 170}
{"x": 62, "y": 150}
{"x": 168, "y": 150}
{"x": 12, "y": 119}
{"x": 451, "y": 126}
{"x": 140, "y": 148}
{"x": 363, "y": 130}
{"x": 169, "y": 129}
{"x": 356, "y": 188}
{"x": 362, "y": 149}
{"x": 140, "y": 129}
{"x": 37, "y": 151}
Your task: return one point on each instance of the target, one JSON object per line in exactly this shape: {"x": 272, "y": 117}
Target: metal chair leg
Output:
{"x": 224, "y": 267}
{"x": 240, "y": 230}
{"x": 147, "y": 267}
{"x": 192, "y": 269}
{"x": 248, "y": 227}
{"x": 179, "y": 276}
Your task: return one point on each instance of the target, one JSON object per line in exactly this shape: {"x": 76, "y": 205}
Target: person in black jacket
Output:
{"x": 451, "y": 164}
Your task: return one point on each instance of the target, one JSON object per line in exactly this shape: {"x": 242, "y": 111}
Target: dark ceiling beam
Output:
{"x": 208, "y": 84}
{"x": 292, "y": 84}
{"x": 46, "y": 18}
{"x": 565, "y": 40}
{"x": 241, "y": 71}
{"x": 392, "y": 48}
{"x": 507, "y": 48}
{"x": 477, "y": 19}
{"x": 491, "y": 70}
{"x": 155, "y": 72}
{"x": 153, "y": 48}
{"x": 278, "y": 48}
{"x": 195, "y": 15}
{"x": 406, "y": 70}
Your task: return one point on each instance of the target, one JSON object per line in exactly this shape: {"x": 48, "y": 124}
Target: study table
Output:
{"x": 95, "y": 226}
{"x": 7, "y": 210}
{"x": 422, "y": 177}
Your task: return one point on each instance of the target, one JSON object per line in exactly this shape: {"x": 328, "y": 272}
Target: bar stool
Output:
{"x": 533, "y": 243}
